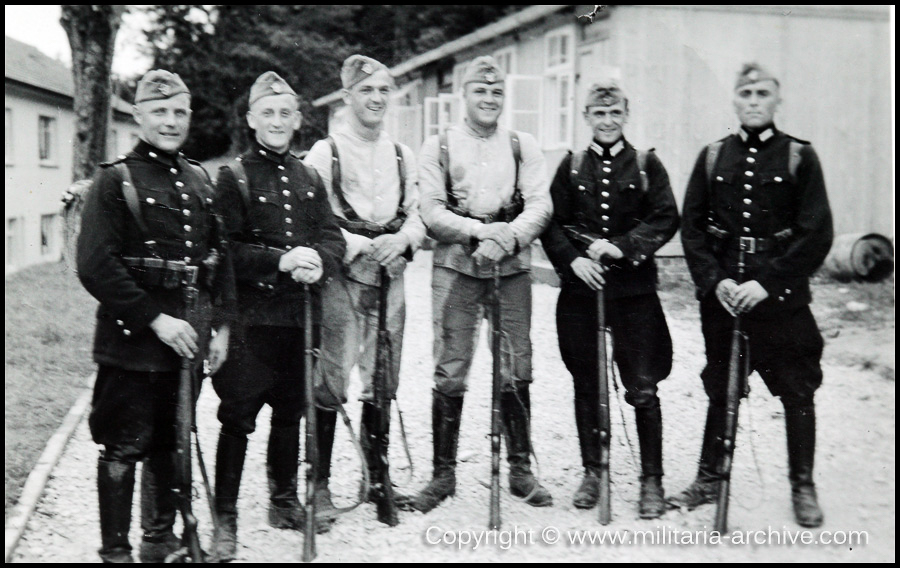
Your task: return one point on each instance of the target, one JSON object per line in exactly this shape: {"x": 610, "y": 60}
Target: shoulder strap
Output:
{"x": 131, "y": 197}
{"x": 237, "y": 168}
{"x": 444, "y": 162}
{"x": 794, "y": 157}
{"x": 401, "y": 170}
{"x": 712, "y": 154}
{"x": 348, "y": 211}
{"x": 517, "y": 155}
{"x": 642, "y": 169}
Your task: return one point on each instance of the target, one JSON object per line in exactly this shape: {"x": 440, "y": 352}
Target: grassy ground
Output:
{"x": 49, "y": 327}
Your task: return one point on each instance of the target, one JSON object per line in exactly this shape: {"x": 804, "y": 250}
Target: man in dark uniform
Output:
{"x": 613, "y": 208}
{"x": 759, "y": 195}
{"x": 283, "y": 236}
{"x": 148, "y": 225}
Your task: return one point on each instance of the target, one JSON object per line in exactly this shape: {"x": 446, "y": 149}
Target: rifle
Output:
{"x": 190, "y": 551}
{"x": 494, "y": 523}
{"x": 312, "y": 449}
{"x": 736, "y": 381}
{"x": 384, "y": 490}
{"x": 603, "y": 405}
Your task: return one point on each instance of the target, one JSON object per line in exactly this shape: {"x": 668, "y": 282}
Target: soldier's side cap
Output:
{"x": 358, "y": 68}
{"x": 267, "y": 84}
{"x": 753, "y": 73}
{"x": 484, "y": 69}
{"x": 159, "y": 84}
{"x": 604, "y": 93}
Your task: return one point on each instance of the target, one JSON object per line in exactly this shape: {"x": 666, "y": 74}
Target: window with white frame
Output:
{"x": 403, "y": 121}
{"x": 522, "y": 106}
{"x": 559, "y": 87}
{"x": 506, "y": 59}
{"x": 15, "y": 233}
{"x": 442, "y": 111}
{"x": 9, "y": 137}
{"x": 47, "y": 139}
{"x": 49, "y": 235}
{"x": 458, "y": 70}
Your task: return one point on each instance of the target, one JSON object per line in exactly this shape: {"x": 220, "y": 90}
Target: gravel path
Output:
{"x": 855, "y": 471}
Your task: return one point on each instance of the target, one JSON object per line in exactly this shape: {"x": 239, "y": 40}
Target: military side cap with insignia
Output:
{"x": 753, "y": 73}
{"x": 358, "y": 68}
{"x": 267, "y": 84}
{"x": 484, "y": 69}
{"x": 159, "y": 84}
{"x": 604, "y": 93}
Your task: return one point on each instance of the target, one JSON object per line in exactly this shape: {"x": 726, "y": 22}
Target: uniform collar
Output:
{"x": 258, "y": 149}
{"x": 474, "y": 133}
{"x": 147, "y": 151}
{"x": 764, "y": 135}
{"x": 614, "y": 150}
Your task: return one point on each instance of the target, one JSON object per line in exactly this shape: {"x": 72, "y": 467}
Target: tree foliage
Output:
{"x": 220, "y": 50}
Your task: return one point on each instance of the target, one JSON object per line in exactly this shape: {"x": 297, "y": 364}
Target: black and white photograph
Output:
{"x": 478, "y": 283}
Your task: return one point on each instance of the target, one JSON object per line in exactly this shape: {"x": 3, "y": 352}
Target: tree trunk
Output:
{"x": 92, "y": 36}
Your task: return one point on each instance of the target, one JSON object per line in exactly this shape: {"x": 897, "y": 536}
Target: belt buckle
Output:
{"x": 748, "y": 245}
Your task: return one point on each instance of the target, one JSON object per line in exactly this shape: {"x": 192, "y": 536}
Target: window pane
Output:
{"x": 46, "y": 136}
{"x": 563, "y": 49}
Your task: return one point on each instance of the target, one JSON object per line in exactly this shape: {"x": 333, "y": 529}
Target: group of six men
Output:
{"x": 356, "y": 209}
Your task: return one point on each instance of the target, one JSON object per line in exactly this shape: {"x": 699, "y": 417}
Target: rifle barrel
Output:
{"x": 309, "y": 531}
{"x": 605, "y": 514}
{"x": 494, "y": 523}
{"x": 386, "y": 509}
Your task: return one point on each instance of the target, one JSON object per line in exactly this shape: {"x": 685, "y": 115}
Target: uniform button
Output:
{"x": 152, "y": 154}
{"x": 751, "y": 160}
{"x": 187, "y": 228}
{"x": 605, "y": 217}
{"x": 209, "y": 200}
{"x": 748, "y": 173}
{"x": 746, "y": 214}
{"x": 188, "y": 244}
{"x": 753, "y": 150}
{"x": 310, "y": 194}
{"x": 185, "y": 196}
{"x": 780, "y": 298}
{"x": 787, "y": 291}
{"x": 262, "y": 199}
{"x": 151, "y": 201}
{"x": 286, "y": 193}
{"x": 643, "y": 256}
{"x": 186, "y": 212}
{"x": 288, "y": 220}
{"x": 284, "y": 179}
{"x": 747, "y": 202}
{"x": 179, "y": 184}
{"x": 270, "y": 287}
{"x": 263, "y": 153}
{"x": 604, "y": 193}
{"x": 606, "y": 181}
{"x": 607, "y": 162}
{"x": 288, "y": 234}
{"x": 281, "y": 168}
{"x": 173, "y": 170}
{"x": 289, "y": 247}
{"x": 777, "y": 179}
{"x": 126, "y": 332}
{"x": 604, "y": 205}
{"x": 720, "y": 178}
{"x": 120, "y": 322}
{"x": 581, "y": 188}
{"x": 287, "y": 206}
{"x": 636, "y": 263}
{"x": 605, "y": 229}
{"x": 748, "y": 187}
{"x": 746, "y": 229}
{"x": 607, "y": 170}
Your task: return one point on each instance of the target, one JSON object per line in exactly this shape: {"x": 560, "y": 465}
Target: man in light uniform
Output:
{"x": 484, "y": 200}
{"x": 372, "y": 188}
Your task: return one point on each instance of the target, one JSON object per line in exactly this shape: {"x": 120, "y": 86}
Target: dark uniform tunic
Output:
{"x": 607, "y": 199}
{"x": 134, "y": 397}
{"x": 752, "y": 193}
{"x": 288, "y": 208}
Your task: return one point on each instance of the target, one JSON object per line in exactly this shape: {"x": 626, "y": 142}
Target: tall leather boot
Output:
{"x": 800, "y": 423}
{"x": 159, "y": 506}
{"x": 445, "y": 417}
{"x": 586, "y": 422}
{"x": 371, "y": 417}
{"x": 705, "y": 487}
{"x": 115, "y": 491}
{"x": 229, "y": 467}
{"x": 649, "y": 428}
{"x": 326, "y": 512}
{"x": 516, "y": 414}
{"x": 282, "y": 458}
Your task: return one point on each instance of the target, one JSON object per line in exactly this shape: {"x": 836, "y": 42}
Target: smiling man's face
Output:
{"x": 607, "y": 122}
{"x": 165, "y": 123}
{"x": 274, "y": 119}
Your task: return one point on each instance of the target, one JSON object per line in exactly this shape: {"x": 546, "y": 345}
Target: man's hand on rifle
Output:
{"x": 176, "y": 333}
{"x": 385, "y": 248}
{"x": 300, "y": 257}
{"x": 601, "y": 248}
{"x": 488, "y": 252}
{"x": 307, "y": 275}
{"x": 589, "y": 271}
{"x": 747, "y": 296}
{"x": 218, "y": 349}
{"x": 501, "y": 233}
{"x": 725, "y": 291}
